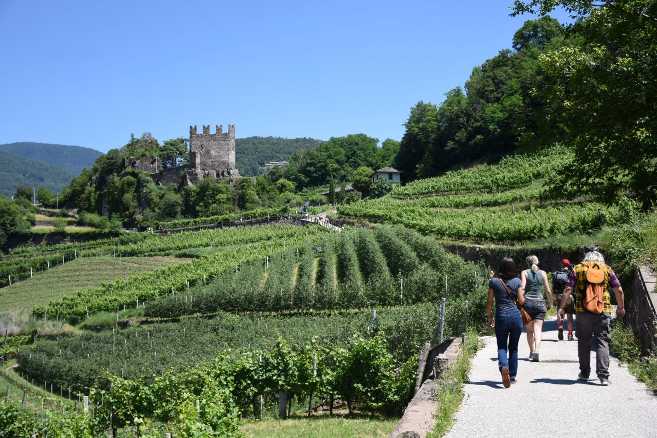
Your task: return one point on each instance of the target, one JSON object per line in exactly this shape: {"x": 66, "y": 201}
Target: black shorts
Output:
{"x": 536, "y": 308}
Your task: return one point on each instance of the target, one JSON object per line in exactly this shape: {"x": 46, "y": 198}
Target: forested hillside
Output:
{"x": 16, "y": 171}
{"x": 251, "y": 153}
{"x": 51, "y": 166}
{"x": 71, "y": 158}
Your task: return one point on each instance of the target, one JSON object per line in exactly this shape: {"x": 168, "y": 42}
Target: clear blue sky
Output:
{"x": 89, "y": 73}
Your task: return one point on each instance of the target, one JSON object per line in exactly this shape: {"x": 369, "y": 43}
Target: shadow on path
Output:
{"x": 490, "y": 383}
{"x": 563, "y": 381}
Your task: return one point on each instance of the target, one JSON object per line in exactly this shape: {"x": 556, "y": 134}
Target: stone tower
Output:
{"x": 212, "y": 154}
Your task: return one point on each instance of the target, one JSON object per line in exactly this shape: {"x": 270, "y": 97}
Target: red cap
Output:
{"x": 565, "y": 262}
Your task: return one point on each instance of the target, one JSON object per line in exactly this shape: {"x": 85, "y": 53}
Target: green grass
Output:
{"x": 320, "y": 427}
{"x": 70, "y": 229}
{"x": 450, "y": 389}
{"x": 66, "y": 279}
{"x": 626, "y": 347}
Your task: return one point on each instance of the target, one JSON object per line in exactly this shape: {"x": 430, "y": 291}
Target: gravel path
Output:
{"x": 548, "y": 401}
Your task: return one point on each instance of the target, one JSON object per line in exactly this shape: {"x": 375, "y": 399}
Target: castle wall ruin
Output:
{"x": 212, "y": 154}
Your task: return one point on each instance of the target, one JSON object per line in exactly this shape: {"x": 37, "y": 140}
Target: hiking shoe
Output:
{"x": 513, "y": 379}
{"x": 583, "y": 377}
{"x": 560, "y": 335}
{"x": 506, "y": 378}
{"x": 604, "y": 381}
{"x": 571, "y": 337}
{"x": 533, "y": 357}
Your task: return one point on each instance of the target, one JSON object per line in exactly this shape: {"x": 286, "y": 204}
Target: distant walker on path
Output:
{"x": 591, "y": 280}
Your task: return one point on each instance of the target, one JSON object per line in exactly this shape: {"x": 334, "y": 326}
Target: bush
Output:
{"x": 623, "y": 343}
{"x": 98, "y": 221}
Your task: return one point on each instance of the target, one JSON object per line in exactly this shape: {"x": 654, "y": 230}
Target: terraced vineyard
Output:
{"x": 360, "y": 268}
{"x": 500, "y": 203}
{"x": 82, "y": 273}
{"x": 234, "y": 246}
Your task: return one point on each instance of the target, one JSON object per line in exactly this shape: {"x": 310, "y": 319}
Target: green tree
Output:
{"x": 45, "y": 197}
{"x": 13, "y": 220}
{"x": 499, "y": 111}
{"x": 386, "y": 154}
{"x": 600, "y": 82}
{"x": 420, "y": 129}
{"x": 362, "y": 180}
{"x": 247, "y": 198}
{"x": 23, "y": 192}
{"x": 335, "y": 159}
{"x": 173, "y": 153}
{"x": 284, "y": 185}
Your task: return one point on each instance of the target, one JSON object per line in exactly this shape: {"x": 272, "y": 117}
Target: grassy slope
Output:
{"x": 320, "y": 427}
{"x": 78, "y": 274}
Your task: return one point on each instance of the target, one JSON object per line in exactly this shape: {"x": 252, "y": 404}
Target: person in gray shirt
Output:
{"x": 535, "y": 287}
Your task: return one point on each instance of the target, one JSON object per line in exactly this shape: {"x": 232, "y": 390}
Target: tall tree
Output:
{"x": 420, "y": 131}
{"x": 604, "y": 85}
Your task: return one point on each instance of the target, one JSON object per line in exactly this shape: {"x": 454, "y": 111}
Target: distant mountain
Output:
{"x": 251, "y": 153}
{"x": 41, "y": 165}
{"x": 71, "y": 158}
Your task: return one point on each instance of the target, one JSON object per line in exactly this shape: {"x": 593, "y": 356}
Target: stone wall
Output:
{"x": 550, "y": 258}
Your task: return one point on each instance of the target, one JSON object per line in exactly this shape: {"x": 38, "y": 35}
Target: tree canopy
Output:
{"x": 497, "y": 112}
{"x": 603, "y": 84}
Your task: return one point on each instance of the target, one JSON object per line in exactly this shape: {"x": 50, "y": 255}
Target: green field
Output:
{"x": 67, "y": 279}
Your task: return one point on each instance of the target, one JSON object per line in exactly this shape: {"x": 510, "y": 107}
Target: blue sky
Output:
{"x": 91, "y": 73}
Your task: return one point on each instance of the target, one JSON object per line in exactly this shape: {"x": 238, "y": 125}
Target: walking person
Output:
{"x": 534, "y": 286}
{"x": 503, "y": 289}
{"x": 560, "y": 280}
{"x": 591, "y": 281}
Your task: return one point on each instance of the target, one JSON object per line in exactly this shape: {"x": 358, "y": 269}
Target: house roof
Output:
{"x": 387, "y": 170}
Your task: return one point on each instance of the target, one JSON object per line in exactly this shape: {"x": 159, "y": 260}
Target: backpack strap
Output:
{"x": 507, "y": 289}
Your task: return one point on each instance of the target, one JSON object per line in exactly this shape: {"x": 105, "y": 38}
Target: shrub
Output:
{"x": 623, "y": 343}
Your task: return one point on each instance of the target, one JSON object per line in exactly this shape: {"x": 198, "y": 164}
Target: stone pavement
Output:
{"x": 548, "y": 401}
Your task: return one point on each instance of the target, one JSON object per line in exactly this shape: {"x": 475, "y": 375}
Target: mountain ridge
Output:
{"x": 37, "y": 164}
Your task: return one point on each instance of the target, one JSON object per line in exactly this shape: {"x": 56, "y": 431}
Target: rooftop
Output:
{"x": 387, "y": 170}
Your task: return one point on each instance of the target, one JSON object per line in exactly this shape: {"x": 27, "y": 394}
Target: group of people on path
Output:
{"x": 523, "y": 298}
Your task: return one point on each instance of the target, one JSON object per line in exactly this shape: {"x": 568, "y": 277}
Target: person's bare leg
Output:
{"x": 530, "y": 337}
{"x": 570, "y": 325}
{"x": 538, "y": 334}
{"x": 559, "y": 325}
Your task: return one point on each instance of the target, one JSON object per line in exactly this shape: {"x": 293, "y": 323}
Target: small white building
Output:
{"x": 388, "y": 174}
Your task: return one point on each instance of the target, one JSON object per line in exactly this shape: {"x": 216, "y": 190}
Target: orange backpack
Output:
{"x": 593, "y": 301}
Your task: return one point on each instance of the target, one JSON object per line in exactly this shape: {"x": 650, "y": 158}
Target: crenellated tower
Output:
{"x": 212, "y": 154}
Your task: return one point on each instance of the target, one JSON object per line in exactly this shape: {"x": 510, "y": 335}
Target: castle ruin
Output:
{"x": 212, "y": 155}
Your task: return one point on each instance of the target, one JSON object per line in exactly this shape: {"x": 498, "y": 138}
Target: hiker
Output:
{"x": 590, "y": 281}
{"x": 533, "y": 285}
{"x": 503, "y": 288}
{"x": 560, "y": 280}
